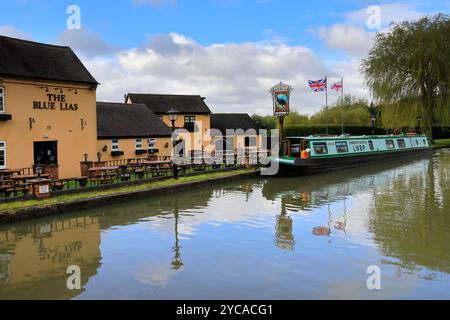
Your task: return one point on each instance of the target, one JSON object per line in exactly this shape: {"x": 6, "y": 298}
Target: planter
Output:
{"x": 117, "y": 153}
{"x": 140, "y": 152}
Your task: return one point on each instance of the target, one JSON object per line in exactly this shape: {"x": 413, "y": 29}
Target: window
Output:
{"x": 138, "y": 144}
{"x": 151, "y": 143}
{"x": 2, "y": 155}
{"x": 401, "y": 144}
{"x": 189, "y": 119}
{"x": 371, "y": 145}
{"x": 320, "y": 148}
{"x": 295, "y": 150}
{"x": 390, "y": 144}
{"x": 2, "y": 99}
{"x": 341, "y": 146}
{"x": 115, "y": 145}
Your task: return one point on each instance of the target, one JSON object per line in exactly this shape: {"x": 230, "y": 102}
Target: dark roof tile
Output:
{"x": 119, "y": 120}
{"x": 161, "y": 103}
{"x": 224, "y": 121}
{"x": 26, "y": 59}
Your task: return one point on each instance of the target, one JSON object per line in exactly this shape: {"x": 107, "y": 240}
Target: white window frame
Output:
{"x": 139, "y": 144}
{"x": 115, "y": 145}
{"x": 2, "y": 99}
{"x": 190, "y": 118}
{"x": 3, "y": 149}
{"x": 151, "y": 143}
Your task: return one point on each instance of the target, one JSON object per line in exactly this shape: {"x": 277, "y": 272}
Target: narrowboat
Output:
{"x": 322, "y": 154}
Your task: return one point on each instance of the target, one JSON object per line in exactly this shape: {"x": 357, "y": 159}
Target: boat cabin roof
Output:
{"x": 348, "y": 137}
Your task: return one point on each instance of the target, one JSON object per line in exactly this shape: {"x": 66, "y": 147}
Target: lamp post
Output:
{"x": 419, "y": 124}
{"x": 373, "y": 118}
{"x": 39, "y": 170}
{"x": 173, "y": 116}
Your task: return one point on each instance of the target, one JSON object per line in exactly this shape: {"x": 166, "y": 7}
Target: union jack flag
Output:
{"x": 318, "y": 85}
{"x": 338, "y": 86}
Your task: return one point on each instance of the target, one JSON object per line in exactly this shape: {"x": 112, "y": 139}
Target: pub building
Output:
{"x": 131, "y": 131}
{"x": 47, "y": 108}
{"x": 193, "y": 115}
{"x": 245, "y": 132}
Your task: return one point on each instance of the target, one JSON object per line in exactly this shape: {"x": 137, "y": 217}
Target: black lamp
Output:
{"x": 39, "y": 171}
{"x": 373, "y": 118}
{"x": 173, "y": 116}
{"x": 419, "y": 123}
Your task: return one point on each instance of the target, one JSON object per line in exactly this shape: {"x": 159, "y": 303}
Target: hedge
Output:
{"x": 301, "y": 131}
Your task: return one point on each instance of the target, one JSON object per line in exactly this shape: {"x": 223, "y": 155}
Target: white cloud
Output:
{"x": 85, "y": 42}
{"x": 234, "y": 77}
{"x": 353, "y": 40}
{"x": 390, "y": 12}
{"x": 11, "y": 31}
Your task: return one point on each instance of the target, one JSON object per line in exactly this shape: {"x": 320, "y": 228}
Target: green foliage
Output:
{"x": 265, "y": 122}
{"x": 408, "y": 72}
{"x": 352, "y": 111}
{"x": 295, "y": 118}
{"x": 302, "y": 131}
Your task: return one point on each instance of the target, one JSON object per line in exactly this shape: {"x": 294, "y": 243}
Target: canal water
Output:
{"x": 252, "y": 239}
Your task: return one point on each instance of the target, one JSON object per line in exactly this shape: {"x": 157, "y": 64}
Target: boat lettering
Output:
{"x": 358, "y": 146}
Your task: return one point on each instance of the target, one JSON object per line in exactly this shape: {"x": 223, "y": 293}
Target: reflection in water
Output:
{"x": 252, "y": 240}
{"x": 176, "y": 262}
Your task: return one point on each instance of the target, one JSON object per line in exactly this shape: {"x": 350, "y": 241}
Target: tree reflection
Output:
{"x": 410, "y": 216}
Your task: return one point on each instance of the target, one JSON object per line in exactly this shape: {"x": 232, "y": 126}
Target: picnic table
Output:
{"x": 7, "y": 173}
{"x": 103, "y": 174}
{"x": 20, "y": 183}
{"x": 159, "y": 168}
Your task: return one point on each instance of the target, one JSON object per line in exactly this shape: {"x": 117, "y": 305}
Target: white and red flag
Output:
{"x": 338, "y": 86}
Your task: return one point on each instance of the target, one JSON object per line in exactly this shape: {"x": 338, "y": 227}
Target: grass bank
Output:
{"x": 61, "y": 200}
{"x": 441, "y": 143}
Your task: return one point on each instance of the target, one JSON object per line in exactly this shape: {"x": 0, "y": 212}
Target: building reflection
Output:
{"x": 34, "y": 257}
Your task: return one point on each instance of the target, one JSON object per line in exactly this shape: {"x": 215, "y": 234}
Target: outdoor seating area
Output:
{"x": 18, "y": 183}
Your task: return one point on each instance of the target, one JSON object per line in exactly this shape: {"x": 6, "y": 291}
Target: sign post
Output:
{"x": 281, "y": 94}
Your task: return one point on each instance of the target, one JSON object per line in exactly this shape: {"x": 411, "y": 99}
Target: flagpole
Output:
{"x": 343, "y": 109}
{"x": 326, "y": 103}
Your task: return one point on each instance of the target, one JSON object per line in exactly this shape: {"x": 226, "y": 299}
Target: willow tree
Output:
{"x": 407, "y": 71}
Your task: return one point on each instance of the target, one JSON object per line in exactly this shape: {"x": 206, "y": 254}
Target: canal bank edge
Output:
{"x": 62, "y": 207}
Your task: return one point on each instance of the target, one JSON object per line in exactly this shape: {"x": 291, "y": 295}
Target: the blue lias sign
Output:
{"x": 281, "y": 99}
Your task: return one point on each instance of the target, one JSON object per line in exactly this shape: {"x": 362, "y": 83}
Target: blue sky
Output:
{"x": 328, "y": 30}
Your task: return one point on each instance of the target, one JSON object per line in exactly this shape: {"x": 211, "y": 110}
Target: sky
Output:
{"x": 229, "y": 51}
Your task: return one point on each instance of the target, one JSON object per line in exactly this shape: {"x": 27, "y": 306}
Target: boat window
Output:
{"x": 390, "y": 144}
{"x": 371, "y": 145}
{"x": 295, "y": 150}
{"x": 424, "y": 142}
{"x": 320, "y": 148}
{"x": 401, "y": 144}
{"x": 341, "y": 146}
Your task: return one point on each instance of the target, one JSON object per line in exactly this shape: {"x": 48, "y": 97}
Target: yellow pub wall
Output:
{"x": 204, "y": 121}
{"x": 238, "y": 142}
{"x": 63, "y": 126}
{"x": 128, "y": 147}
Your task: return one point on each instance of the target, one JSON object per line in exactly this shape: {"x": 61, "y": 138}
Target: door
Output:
{"x": 46, "y": 153}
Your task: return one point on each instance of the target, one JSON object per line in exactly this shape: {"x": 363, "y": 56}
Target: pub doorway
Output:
{"x": 46, "y": 153}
